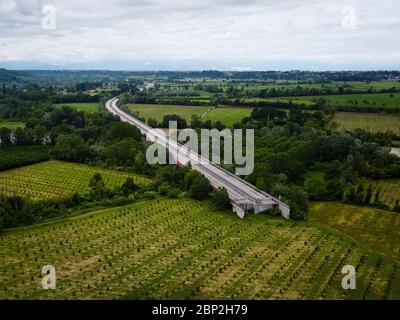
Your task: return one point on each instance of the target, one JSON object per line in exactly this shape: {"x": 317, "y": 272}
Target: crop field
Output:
{"x": 389, "y": 100}
{"x": 157, "y": 112}
{"x": 183, "y": 249}
{"x": 228, "y": 116}
{"x": 55, "y": 179}
{"x": 368, "y": 121}
{"x": 377, "y": 229}
{"x": 11, "y": 124}
{"x": 89, "y": 107}
{"x": 294, "y": 100}
{"x": 179, "y": 87}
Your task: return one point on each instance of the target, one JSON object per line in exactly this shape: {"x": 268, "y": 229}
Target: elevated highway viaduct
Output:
{"x": 243, "y": 195}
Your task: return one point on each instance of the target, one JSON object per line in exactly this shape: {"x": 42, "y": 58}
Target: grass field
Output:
{"x": 228, "y": 116}
{"x": 89, "y": 107}
{"x": 368, "y": 121}
{"x": 182, "y": 249}
{"x": 159, "y": 111}
{"x": 55, "y": 179}
{"x": 11, "y": 124}
{"x": 354, "y": 100}
{"x": 377, "y": 229}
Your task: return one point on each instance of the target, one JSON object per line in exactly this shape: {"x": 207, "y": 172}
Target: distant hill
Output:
{"x": 16, "y": 77}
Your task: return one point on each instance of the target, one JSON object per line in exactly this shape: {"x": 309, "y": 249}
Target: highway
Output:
{"x": 242, "y": 194}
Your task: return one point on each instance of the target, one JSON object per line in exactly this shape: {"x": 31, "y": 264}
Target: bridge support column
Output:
{"x": 238, "y": 210}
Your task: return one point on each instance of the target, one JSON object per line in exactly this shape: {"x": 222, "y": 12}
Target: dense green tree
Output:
{"x": 5, "y": 137}
{"x": 69, "y": 116}
{"x": 200, "y": 188}
{"x": 220, "y": 198}
{"x": 296, "y": 197}
{"x": 316, "y": 186}
{"x": 181, "y": 123}
{"x": 172, "y": 174}
{"x": 121, "y": 152}
{"x": 71, "y": 148}
{"x": 97, "y": 186}
{"x": 129, "y": 187}
{"x": 359, "y": 194}
{"x": 196, "y": 122}
{"x": 40, "y": 133}
{"x": 16, "y": 210}
{"x": 152, "y": 123}
{"x": 368, "y": 195}
{"x": 121, "y": 130}
{"x": 351, "y": 195}
{"x": 2, "y": 215}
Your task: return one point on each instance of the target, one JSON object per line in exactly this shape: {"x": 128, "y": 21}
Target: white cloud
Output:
{"x": 235, "y": 32}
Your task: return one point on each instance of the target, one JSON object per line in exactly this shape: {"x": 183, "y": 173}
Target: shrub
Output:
{"x": 273, "y": 212}
{"x": 149, "y": 195}
{"x": 129, "y": 187}
{"x": 295, "y": 197}
{"x": 200, "y": 188}
{"x": 174, "y": 193}
{"x": 220, "y": 198}
{"x": 163, "y": 190}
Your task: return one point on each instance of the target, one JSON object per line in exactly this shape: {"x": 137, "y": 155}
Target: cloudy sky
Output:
{"x": 194, "y": 34}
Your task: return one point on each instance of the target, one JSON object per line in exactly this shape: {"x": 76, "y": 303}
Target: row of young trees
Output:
{"x": 195, "y": 123}
{"x": 370, "y": 196}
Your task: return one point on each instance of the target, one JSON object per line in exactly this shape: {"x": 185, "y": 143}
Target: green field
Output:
{"x": 368, "y": 121}
{"x": 11, "y": 124}
{"x": 157, "y": 112}
{"x": 89, "y": 107}
{"x": 353, "y": 100}
{"x": 55, "y": 179}
{"x": 183, "y": 249}
{"x": 228, "y": 116}
{"x": 377, "y": 229}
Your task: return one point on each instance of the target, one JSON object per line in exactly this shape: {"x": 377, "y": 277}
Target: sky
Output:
{"x": 196, "y": 35}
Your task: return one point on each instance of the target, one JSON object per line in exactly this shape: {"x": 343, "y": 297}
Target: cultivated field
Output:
{"x": 11, "y": 124}
{"x": 183, "y": 249}
{"x": 157, "y": 112}
{"x": 54, "y": 179}
{"x": 377, "y": 229}
{"x": 353, "y": 100}
{"x": 368, "y": 121}
{"x": 89, "y": 107}
{"x": 228, "y": 116}
{"x": 179, "y": 87}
